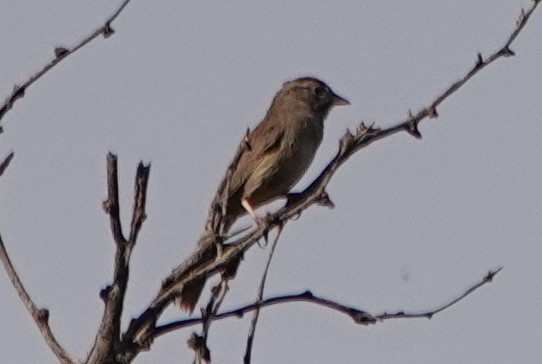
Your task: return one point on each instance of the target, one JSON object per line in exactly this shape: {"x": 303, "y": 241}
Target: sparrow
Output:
{"x": 281, "y": 147}
{"x": 277, "y": 154}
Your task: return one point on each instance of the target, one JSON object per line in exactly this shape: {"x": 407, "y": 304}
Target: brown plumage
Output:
{"x": 280, "y": 149}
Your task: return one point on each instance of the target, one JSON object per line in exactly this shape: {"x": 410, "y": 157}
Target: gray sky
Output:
{"x": 415, "y": 223}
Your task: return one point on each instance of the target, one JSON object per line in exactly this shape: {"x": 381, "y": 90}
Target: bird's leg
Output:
{"x": 257, "y": 219}
{"x": 246, "y": 204}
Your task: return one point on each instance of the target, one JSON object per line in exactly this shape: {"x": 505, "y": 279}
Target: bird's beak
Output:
{"x": 337, "y": 100}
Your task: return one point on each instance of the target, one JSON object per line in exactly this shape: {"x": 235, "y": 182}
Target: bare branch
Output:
{"x": 108, "y": 336}
{"x": 488, "y": 278}
{"x": 140, "y": 200}
{"x": 357, "y": 315}
{"x": 259, "y": 298}
{"x": 40, "y": 316}
{"x": 5, "y": 163}
{"x": 198, "y": 343}
{"x": 111, "y": 205}
{"x": 61, "y": 53}
{"x": 504, "y": 51}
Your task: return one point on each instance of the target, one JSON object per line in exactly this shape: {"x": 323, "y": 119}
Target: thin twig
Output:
{"x": 40, "y": 316}
{"x": 357, "y": 315}
{"x": 61, "y": 53}
{"x": 197, "y": 342}
{"x": 5, "y": 163}
{"x": 259, "y": 298}
{"x": 488, "y": 278}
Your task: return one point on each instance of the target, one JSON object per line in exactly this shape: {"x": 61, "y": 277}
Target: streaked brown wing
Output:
{"x": 265, "y": 139}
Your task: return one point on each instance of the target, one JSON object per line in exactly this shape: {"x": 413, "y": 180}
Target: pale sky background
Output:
{"x": 415, "y": 223}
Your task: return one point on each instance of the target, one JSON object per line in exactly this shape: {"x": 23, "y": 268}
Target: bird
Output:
{"x": 281, "y": 147}
{"x": 278, "y": 152}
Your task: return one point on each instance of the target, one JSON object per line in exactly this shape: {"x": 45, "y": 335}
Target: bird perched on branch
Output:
{"x": 278, "y": 152}
{"x": 281, "y": 147}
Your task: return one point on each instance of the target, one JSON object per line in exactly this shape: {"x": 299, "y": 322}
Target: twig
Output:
{"x": 259, "y": 298}
{"x": 40, "y": 316}
{"x": 357, "y": 315}
{"x": 429, "y": 314}
{"x": 198, "y": 343}
{"x": 108, "y": 336}
{"x": 60, "y": 54}
{"x": 5, "y": 163}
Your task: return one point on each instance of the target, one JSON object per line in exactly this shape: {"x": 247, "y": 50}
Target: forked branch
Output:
{"x": 108, "y": 336}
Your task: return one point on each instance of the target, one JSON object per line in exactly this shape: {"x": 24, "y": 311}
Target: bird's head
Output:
{"x": 309, "y": 93}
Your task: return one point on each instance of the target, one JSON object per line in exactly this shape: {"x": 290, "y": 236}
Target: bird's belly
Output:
{"x": 294, "y": 165}
{"x": 281, "y": 170}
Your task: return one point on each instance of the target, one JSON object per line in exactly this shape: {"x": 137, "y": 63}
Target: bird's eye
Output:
{"x": 321, "y": 92}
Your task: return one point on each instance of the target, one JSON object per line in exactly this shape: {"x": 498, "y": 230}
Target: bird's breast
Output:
{"x": 300, "y": 146}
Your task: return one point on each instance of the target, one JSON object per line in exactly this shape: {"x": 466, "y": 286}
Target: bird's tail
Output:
{"x": 207, "y": 251}
{"x": 190, "y": 294}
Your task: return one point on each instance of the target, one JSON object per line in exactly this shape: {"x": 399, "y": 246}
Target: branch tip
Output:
{"x": 346, "y": 140}
{"x": 104, "y": 293}
{"x": 507, "y": 52}
{"x": 479, "y": 60}
{"x": 412, "y": 129}
{"x": 6, "y": 162}
{"x": 143, "y": 169}
{"x": 372, "y": 127}
{"x": 363, "y": 129}
{"x": 61, "y": 52}
{"x": 362, "y": 317}
{"x": 106, "y": 205}
{"x": 108, "y": 30}
{"x": 433, "y": 114}
{"x": 43, "y": 315}
{"x": 265, "y": 238}
{"x": 521, "y": 17}
{"x": 197, "y": 343}
{"x": 325, "y": 201}
{"x": 491, "y": 274}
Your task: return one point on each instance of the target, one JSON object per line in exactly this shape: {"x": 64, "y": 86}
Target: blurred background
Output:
{"x": 416, "y": 221}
